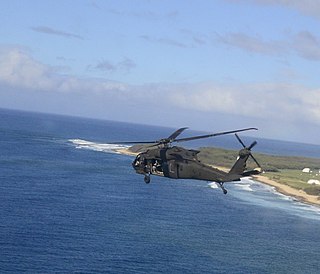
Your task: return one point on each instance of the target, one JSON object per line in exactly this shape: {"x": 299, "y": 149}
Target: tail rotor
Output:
{"x": 249, "y": 149}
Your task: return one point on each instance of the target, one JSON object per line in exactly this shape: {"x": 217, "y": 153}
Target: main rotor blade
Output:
{"x": 172, "y": 137}
{"x": 132, "y": 143}
{"x": 213, "y": 135}
{"x": 176, "y": 133}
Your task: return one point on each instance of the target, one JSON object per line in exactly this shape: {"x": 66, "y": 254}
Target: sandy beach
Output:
{"x": 125, "y": 151}
{"x": 289, "y": 191}
{"x": 281, "y": 188}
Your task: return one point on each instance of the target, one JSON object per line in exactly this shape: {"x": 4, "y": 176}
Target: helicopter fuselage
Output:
{"x": 177, "y": 163}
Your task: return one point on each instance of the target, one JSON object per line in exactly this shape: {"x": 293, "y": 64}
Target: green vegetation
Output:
{"x": 224, "y": 157}
{"x": 296, "y": 179}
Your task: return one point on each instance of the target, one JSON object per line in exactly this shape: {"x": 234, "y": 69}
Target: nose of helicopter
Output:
{"x": 139, "y": 165}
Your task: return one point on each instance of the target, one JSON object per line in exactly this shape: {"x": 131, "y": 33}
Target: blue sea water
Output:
{"x": 69, "y": 204}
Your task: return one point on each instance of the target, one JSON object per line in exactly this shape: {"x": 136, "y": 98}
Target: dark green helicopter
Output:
{"x": 163, "y": 159}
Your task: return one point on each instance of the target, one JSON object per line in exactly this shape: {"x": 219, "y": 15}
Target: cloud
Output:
{"x": 24, "y": 80}
{"x": 304, "y": 44}
{"x": 190, "y": 39}
{"x": 278, "y": 101}
{"x": 250, "y": 43}
{"x": 164, "y": 41}
{"x": 197, "y": 38}
{"x": 105, "y": 66}
{"x": 19, "y": 69}
{"x": 50, "y": 31}
{"x": 146, "y": 14}
{"x": 306, "y": 7}
{"x": 307, "y": 45}
{"x": 125, "y": 65}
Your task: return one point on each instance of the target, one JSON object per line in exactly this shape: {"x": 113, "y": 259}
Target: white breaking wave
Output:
{"x": 110, "y": 148}
{"x": 213, "y": 185}
{"x": 246, "y": 187}
{"x": 267, "y": 196}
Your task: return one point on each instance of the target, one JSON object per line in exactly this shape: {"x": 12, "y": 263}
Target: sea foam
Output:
{"x": 213, "y": 185}
{"x": 104, "y": 147}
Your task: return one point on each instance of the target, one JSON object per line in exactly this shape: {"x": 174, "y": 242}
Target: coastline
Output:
{"x": 300, "y": 195}
{"x": 125, "y": 151}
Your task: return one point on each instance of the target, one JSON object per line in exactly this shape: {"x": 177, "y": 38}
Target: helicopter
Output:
{"x": 160, "y": 158}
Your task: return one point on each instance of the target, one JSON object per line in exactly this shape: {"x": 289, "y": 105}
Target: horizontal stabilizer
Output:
{"x": 249, "y": 173}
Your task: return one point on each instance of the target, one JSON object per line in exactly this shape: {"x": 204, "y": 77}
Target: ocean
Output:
{"x": 69, "y": 204}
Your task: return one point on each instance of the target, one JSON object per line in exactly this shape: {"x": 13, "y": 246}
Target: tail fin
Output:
{"x": 240, "y": 165}
{"x": 239, "y": 168}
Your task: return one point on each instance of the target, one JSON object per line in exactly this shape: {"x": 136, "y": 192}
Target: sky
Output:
{"x": 210, "y": 65}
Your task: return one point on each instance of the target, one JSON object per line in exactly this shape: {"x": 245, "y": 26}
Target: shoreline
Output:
{"x": 125, "y": 151}
{"x": 299, "y": 195}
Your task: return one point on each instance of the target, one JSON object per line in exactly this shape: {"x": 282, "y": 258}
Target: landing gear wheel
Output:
{"x": 147, "y": 179}
{"x": 222, "y": 187}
